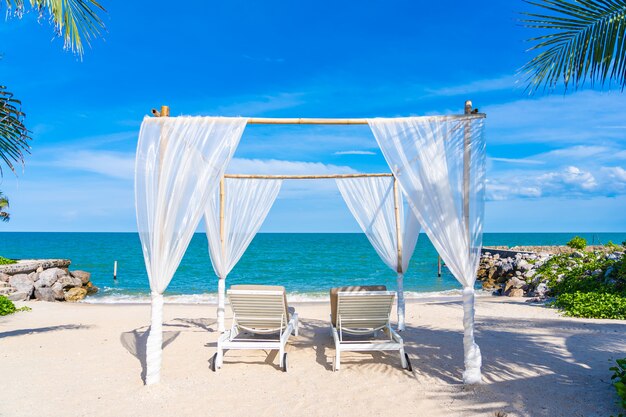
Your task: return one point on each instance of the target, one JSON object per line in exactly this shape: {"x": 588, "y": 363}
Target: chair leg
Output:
{"x": 337, "y": 359}
{"x": 280, "y": 356}
{"x": 219, "y": 358}
{"x": 403, "y": 358}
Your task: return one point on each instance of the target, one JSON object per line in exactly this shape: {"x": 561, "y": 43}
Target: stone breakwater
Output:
{"x": 513, "y": 272}
{"x": 44, "y": 280}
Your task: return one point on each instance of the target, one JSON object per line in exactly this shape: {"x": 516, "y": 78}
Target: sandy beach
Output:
{"x": 65, "y": 359}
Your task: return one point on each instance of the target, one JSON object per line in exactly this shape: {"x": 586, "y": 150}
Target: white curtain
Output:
{"x": 426, "y": 155}
{"x": 246, "y": 204}
{"x": 179, "y": 160}
{"x": 372, "y": 203}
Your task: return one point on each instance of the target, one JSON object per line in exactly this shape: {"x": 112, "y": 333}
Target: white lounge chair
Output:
{"x": 364, "y": 311}
{"x": 261, "y": 320}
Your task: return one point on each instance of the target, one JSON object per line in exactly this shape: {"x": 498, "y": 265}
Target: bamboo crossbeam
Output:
{"x": 305, "y": 177}
{"x": 165, "y": 112}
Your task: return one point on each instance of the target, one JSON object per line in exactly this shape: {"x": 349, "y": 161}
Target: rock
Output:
{"x": 4, "y": 277}
{"x": 38, "y": 284}
{"x": 69, "y": 282}
{"x": 57, "y": 291}
{"x": 91, "y": 289}
{"x": 491, "y": 273}
{"x": 50, "y": 276}
{"x": 84, "y": 276}
{"x": 18, "y": 296}
{"x": 514, "y": 283}
{"x": 39, "y": 269}
{"x": 22, "y": 283}
{"x": 7, "y": 290}
{"x": 577, "y": 255}
{"x": 516, "y": 292}
{"x": 75, "y": 294}
{"x": 44, "y": 294}
{"x": 34, "y": 276}
{"x": 541, "y": 290}
{"x": 529, "y": 274}
{"x": 524, "y": 266}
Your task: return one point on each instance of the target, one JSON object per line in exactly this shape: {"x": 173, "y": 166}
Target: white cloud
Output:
{"x": 522, "y": 161}
{"x": 354, "y": 153}
{"x": 277, "y": 166}
{"x": 506, "y": 82}
{"x": 119, "y": 165}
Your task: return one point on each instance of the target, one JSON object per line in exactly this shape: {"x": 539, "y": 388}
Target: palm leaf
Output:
{"x": 76, "y": 21}
{"x": 4, "y": 203}
{"x": 13, "y": 134}
{"x": 585, "y": 41}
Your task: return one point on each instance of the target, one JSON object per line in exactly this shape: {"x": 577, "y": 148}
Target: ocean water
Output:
{"x": 306, "y": 264}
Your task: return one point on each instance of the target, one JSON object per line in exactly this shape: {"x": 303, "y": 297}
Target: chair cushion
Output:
{"x": 257, "y": 287}
{"x": 357, "y": 288}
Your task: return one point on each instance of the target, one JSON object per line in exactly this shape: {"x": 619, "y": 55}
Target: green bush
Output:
{"x": 6, "y": 306}
{"x": 577, "y": 242}
{"x": 594, "y": 305}
{"x": 6, "y": 261}
{"x": 619, "y": 381}
{"x": 591, "y": 285}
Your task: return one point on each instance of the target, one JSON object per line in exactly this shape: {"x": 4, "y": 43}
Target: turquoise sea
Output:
{"x": 307, "y": 264}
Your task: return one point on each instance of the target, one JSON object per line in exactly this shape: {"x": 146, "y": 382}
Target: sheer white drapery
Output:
{"x": 246, "y": 204}
{"x": 440, "y": 164}
{"x": 372, "y": 202}
{"x": 179, "y": 160}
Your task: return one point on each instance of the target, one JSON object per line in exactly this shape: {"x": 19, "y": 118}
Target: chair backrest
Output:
{"x": 259, "y": 308}
{"x": 355, "y": 288}
{"x": 364, "y": 311}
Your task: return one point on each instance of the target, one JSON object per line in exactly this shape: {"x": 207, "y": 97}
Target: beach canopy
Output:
{"x": 233, "y": 216}
{"x": 377, "y": 207}
{"x": 437, "y": 164}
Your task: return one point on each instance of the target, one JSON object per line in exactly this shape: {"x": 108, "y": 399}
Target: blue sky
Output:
{"x": 556, "y": 162}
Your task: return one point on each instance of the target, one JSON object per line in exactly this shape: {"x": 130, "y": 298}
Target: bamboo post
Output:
{"x": 221, "y": 283}
{"x": 154, "y": 343}
{"x": 471, "y": 350}
{"x": 400, "y": 279}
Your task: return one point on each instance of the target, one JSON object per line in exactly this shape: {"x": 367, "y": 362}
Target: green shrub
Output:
{"x": 591, "y": 285}
{"x": 594, "y": 305}
{"x": 577, "y": 242}
{"x": 6, "y": 306}
{"x": 6, "y": 261}
{"x": 619, "y": 381}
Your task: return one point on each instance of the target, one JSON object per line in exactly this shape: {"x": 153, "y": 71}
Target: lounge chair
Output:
{"x": 261, "y": 320}
{"x": 364, "y": 311}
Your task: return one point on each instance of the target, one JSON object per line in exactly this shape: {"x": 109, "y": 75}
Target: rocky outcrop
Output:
{"x": 44, "y": 280}
{"x": 517, "y": 274}
{"x": 512, "y": 276}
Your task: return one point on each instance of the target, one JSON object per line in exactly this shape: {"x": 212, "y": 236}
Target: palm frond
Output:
{"x": 14, "y": 136}
{"x": 586, "y": 41}
{"x": 4, "y": 203}
{"x": 76, "y": 21}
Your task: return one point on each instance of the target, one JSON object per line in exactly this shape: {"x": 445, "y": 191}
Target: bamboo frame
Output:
{"x": 304, "y": 177}
{"x": 396, "y": 207}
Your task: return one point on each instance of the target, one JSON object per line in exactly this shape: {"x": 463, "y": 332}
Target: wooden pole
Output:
{"x": 323, "y": 120}
{"x": 221, "y": 282}
{"x": 467, "y": 157}
{"x": 305, "y": 177}
{"x": 399, "y": 269}
{"x": 396, "y": 203}
{"x": 438, "y": 266}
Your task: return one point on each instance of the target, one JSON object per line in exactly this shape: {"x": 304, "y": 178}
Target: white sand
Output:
{"x": 86, "y": 360}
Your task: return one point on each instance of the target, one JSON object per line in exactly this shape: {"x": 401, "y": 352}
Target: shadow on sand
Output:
{"x": 22, "y": 332}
